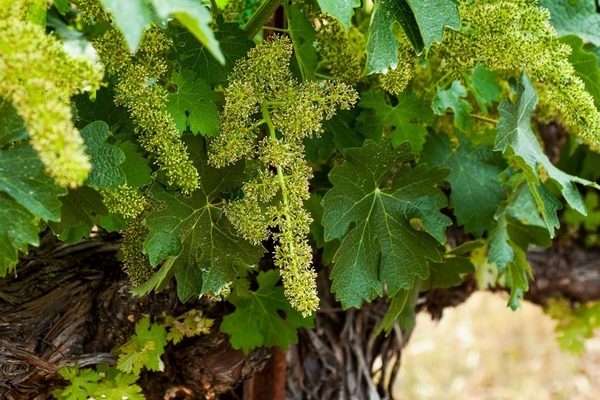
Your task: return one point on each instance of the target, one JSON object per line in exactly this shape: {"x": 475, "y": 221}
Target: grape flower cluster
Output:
{"x": 266, "y": 116}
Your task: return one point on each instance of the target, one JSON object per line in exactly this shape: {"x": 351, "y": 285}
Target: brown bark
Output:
{"x": 71, "y": 304}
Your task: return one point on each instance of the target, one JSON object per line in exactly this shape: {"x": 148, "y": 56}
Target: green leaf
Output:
{"x": 23, "y": 179}
{"x": 144, "y": 348}
{"x": 256, "y": 320}
{"x": 586, "y": 66}
{"x": 196, "y": 18}
{"x": 83, "y": 383}
{"x": 484, "y": 87}
{"x": 102, "y": 108}
{"x": 208, "y": 253}
{"x": 591, "y": 222}
{"x": 393, "y": 312}
{"x": 474, "y": 179}
{"x": 135, "y": 166}
{"x": 342, "y": 10}
{"x": 577, "y": 17}
{"x": 193, "y": 104}
{"x": 383, "y": 247}
{"x": 423, "y": 22}
{"x": 12, "y": 127}
{"x": 454, "y": 98}
{"x": 449, "y": 272}
{"x": 518, "y": 226}
{"x": 78, "y": 210}
{"x": 192, "y": 55}
{"x": 121, "y": 387}
{"x": 132, "y": 17}
{"x": 403, "y": 122}
{"x": 105, "y": 158}
{"x": 303, "y": 37}
{"x": 18, "y": 228}
{"x": 514, "y": 131}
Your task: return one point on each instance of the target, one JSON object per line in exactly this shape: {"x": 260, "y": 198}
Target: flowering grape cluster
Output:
{"x": 519, "y": 35}
{"x": 266, "y": 116}
{"x": 38, "y": 77}
{"x": 138, "y": 89}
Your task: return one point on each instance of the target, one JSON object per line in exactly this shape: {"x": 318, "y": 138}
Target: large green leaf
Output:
{"x": 193, "y": 104}
{"x": 482, "y": 83}
{"x": 342, "y": 10}
{"x": 12, "y": 127}
{"x": 79, "y": 207}
{"x": 518, "y": 226}
{"x": 208, "y": 253}
{"x": 382, "y": 247}
{"x": 135, "y": 167}
{"x": 133, "y": 17}
{"x": 474, "y": 178}
{"x": 196, "y": 17}
{"x": 105, "y": 158}
{"x": 403, "y": 122}
{"x": 257, "y": 321}
{"x": 577, "y": 17}
{"x": 586, "y": 66}
{"x": 18, "y": 229}
{"x": 22, "y": 178}
{"x": 423, "y": 22}
{"x": 514, "y": 131}
{"x": 192, "y": 55}
{"x": 303, "y": 37}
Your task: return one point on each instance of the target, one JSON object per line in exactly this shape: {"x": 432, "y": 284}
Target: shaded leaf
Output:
{"x": 105, "y": 158}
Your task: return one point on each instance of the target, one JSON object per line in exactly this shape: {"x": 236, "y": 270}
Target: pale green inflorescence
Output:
{"x": 514, "y": 34}
{"x": 273, "y": 199}
{"x": 138, "y": 90}
{"x": 124, "y": 200}
{"x": 38, "y": 77}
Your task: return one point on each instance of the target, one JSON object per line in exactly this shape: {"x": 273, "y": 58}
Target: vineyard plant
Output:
{"x": 283, "y": 168}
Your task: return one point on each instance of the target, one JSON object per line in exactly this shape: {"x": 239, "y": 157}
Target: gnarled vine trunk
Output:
{"x": 71, "y": 304}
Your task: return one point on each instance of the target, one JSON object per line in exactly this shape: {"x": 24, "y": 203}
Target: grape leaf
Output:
{"x": 454, "y": 98}
{"x": 303, "y": 37}
{"x": 448, "y": 273}
{"x": 190, "y": 53}
{"x": 382, "y": 247}
{"x": 133, "y": 17}
{"x": 196, "y": 18}
{"x": 102, "y": 108}
{"x": 574, "y": 17}
{"x": 342, "y": 10}
{"x": 586, "y": 66}
{"x": 484, "y": 87}
{"x": 135, "y": 166}
{"x": 83, "y": 383}
{"x": 18, "y": 228}
{"x": 256, "y": 320}
{"x": 404, "y": 121}
{"x": 193, "y": 104}
{"x": 474, "y": 178}
{"x": 518, "y": 226}
{"x": 423, "y": 22}
{"x": 208, "y": 253}
{"x": 121, "y": 387}
{"x": 144, "y": 348}
{"x": 22, "y": 178}
{"x": 105, "y": 158}
{"x": 78, "y": 209}
{"x": 12, "y": 127}
{"x": 514, "y": 131}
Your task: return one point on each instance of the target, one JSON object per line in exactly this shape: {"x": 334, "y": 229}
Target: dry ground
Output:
{"x": 483, "y": 350}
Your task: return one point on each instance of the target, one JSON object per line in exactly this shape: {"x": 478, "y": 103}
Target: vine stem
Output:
{"x": 261, "y": 16}
{"x": 280, "y": 178}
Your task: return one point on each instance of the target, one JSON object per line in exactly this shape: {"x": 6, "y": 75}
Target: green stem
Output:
{"x": 280, "y": 178}
{"x": 485, "y": 119}
{"x": 261, "y": 16}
